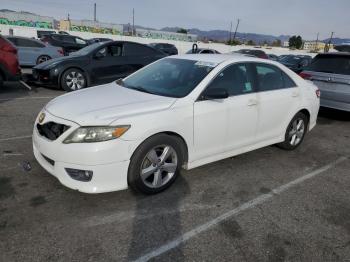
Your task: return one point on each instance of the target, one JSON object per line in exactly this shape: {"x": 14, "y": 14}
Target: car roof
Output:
{"x": 335, "y": 54}
{"x": 220, "y": 58}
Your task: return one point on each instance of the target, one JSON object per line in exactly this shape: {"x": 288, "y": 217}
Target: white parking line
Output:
{"x": 257, "y": 201}
{"x": 26, "y": 98}
{"x": 14, "y": 138}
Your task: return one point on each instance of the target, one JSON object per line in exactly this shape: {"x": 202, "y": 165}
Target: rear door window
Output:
{"x": 269, "y": 77}
{"x": 28, "y": 43}
{"x": 131, "y": 49}
{"x": 334, "y": 64}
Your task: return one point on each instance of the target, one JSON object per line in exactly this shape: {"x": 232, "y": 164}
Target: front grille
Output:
{"x": 49, "y": 160}
{"x": 52, "y": 130}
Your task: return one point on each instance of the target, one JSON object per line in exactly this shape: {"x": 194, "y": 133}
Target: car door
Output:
{"x": 278, "y": 101}
{"x": 28, "y": 51}
{"x": 137, "y": 56}
{"x": 226, "y": 124}
{"x": 108, "y": 63}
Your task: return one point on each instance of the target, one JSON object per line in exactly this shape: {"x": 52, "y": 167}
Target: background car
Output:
{"x": 168, "y": 49}
{"x": 330, "y": 72}
{"x": 97, "y": 40}
{"x": 68, "y": 43}
{"x": 95, "y": 64}
{"x": 32, "y": 52}
{"x": 252, "y": 52}
{"x": 296, "y": 62}
{"x": 273, "y": 57}
{"x": 9, "y": 66}
{"x": 202, "y": 51}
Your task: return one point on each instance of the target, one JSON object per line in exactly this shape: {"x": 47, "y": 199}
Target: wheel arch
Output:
{"x": 306, "y": 112}
{"x": 173, "y": 134}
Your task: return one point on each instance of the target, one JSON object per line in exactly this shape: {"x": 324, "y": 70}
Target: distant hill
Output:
{"x": 223, "y": 35}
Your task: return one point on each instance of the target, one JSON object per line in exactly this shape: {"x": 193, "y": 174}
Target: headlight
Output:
{"x": 95, "y": 134}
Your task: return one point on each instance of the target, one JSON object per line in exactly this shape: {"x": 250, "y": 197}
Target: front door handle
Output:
{"x": 252, "y": 102}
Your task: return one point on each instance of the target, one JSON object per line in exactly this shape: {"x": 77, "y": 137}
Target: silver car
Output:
{"x": 330, "y": 72}
{"x": 32, "y": 52}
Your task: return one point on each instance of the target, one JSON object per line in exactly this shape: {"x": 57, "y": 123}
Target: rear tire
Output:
{"x": 295, "y": 132}
{"x": 73, "y": 79}
{"x": 156, "y": 164}
{"x": 42, "y": 59}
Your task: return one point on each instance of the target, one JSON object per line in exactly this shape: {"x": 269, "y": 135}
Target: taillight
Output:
{"x": 263, "y": 56}
{"x": 306, "y": 76}
{"x": 318, "y": 93}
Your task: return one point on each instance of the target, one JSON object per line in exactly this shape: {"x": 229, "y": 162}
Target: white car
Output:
{"x": 181, "y": 111}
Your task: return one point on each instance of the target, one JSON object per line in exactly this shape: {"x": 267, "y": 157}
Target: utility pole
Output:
{"x": 328, "y": 45}
{"x": 95, "y": 13}
{"x": 133, "y": 22}
{"x": 230, "y": 36}
{"x": 316, "y": 47}
{"x": 234, "y": 35}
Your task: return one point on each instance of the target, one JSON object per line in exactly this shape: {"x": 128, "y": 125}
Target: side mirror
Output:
{"x": 214, "y": 93}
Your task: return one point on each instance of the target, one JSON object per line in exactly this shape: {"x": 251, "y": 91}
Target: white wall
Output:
{"x": 181, "y": 46}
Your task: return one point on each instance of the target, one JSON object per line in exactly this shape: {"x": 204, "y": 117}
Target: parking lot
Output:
{"x": 266, "y": 205}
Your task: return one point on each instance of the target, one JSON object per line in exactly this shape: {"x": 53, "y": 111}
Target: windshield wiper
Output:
{"x": 141, "y": 89}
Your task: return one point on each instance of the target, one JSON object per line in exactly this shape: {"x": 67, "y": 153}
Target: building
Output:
{"x": 8, "y": 17}
{"x": 91, "y": 27}
{"x": 165, "y": 35}
{"x": 285, "y": 44}
{"x": 315, "y": 46}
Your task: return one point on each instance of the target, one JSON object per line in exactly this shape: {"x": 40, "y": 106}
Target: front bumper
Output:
{"x": 45, "y": 78}
{"x": 109, "y": 161}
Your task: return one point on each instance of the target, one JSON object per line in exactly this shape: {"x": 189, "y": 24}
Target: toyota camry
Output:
{"x": 178, "y": 112}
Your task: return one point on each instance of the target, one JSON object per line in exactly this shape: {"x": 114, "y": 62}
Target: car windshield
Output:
{"x": 169, "y": 77}
{"x": 88, "y": 49}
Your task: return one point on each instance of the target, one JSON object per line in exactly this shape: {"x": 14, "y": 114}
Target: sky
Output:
{"x": 273, "y": 17}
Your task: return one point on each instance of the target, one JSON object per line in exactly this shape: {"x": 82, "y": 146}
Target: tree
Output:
{"x": 250, "y": 42}
{"x": 182, "y": 31}
{"x": 276, "y": 43}
{"x": 233, "y": 42}
{"x": 296, "y": 42}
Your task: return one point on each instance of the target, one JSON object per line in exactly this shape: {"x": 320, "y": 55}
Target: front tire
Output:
{"x": 155, "y": 164}
{"x": 295, "y": 132}
{"x": 73, "y": 79}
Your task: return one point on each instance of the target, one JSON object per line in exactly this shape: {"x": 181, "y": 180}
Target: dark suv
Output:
{"x": 168, "y": 49}
{"x": 330, "y": 72}
{"x": 69, "y": 43}
{"x": 9, "y": 66}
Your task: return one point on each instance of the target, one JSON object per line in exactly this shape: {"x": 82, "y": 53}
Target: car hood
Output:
{"x": 104, "y": 104}
{"x": 55, "y": 61}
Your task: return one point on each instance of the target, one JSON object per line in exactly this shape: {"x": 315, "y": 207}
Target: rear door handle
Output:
{"x": 252, "y": 102}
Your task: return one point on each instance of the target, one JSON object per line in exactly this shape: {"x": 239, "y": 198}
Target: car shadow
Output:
{"x": 157, "y": 220}
{"x": 328, "y": 114}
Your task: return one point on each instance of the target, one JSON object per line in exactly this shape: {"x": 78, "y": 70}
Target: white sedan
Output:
{"x": 179, "y": 112}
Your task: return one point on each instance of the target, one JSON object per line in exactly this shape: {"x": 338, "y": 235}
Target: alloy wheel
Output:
{"x": 75, "y": 80}
{"x": 296, "y": 132}
{"x": 159, "y": 166}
